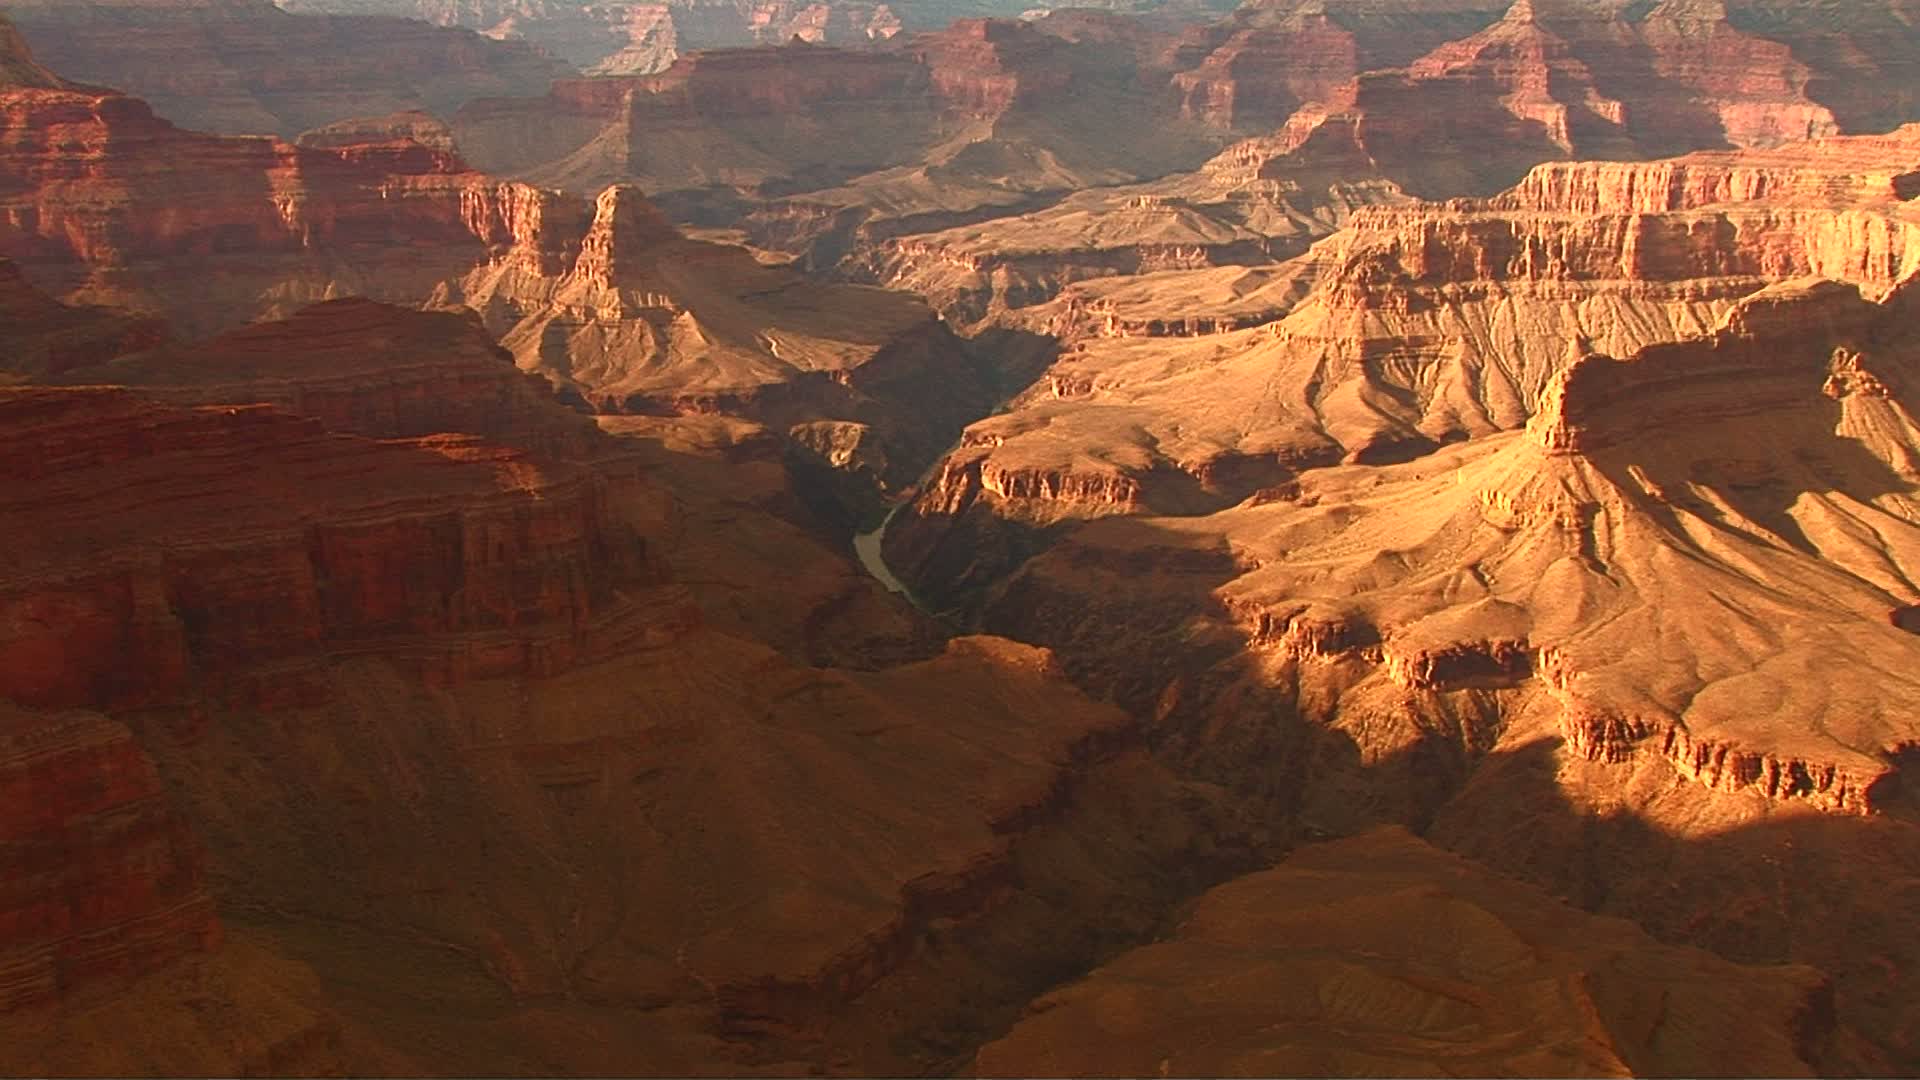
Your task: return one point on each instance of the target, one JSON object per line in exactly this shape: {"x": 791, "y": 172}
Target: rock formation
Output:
{"x": 46, "y": 339}
{"x": 1422, "y": 325}
{"x": 1546, "y": 80}
{"x": 255, "y": 597}
{"x": 645, "y": 38}
{"x": 363, "y": 367}
{"x": 245, "y": 67}
{"x": 980, "y": 114}
{"x": 470, "y": 672}
{"x": 1745, "y": 499}
{"x": 646, "y": 320}
{"x": 107, "y": 881}
{"x": 106, "y": 203}
{"x": 617, "y": 308}
{"x": 1380, "y": 954}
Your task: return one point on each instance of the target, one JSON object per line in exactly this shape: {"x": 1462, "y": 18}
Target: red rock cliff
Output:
{"x": 147, "y": 561}
{"x": 102, "y": 880}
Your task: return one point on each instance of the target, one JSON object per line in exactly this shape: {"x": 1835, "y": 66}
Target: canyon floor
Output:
{"x": 1322, "y": 538}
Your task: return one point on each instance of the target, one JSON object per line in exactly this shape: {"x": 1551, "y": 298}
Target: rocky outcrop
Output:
{"x": 443, "y": 691}
{"x": 1417, "y": 325}
{"x": 245, "y": 66}
{"x": 979, "y": 114}
{"x": 646, "y": 320}
{"x": 1380, "y": 953}
{"x": 322, "y": 541}
{"x": 106, "y": 203}
{"x": 367, "y": 369}
{"x": 104, "y": 881}
{"x": 1661, "y": 610}
{"x": 1555, "y": 80}
{"x": 413, "y": 126}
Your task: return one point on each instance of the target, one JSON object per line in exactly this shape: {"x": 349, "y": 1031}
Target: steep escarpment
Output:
{"x": 1555, "y": 79}
{"x": 1548, "y": 81}
{"x": 101, "y": 622}
{"x": 112, "y": 958}
{"x": 460, "y": 623}
{"x": 1413, "y": 327}
{"x": 1674, "y": 588}
{"x": 543, "y": 667}
{"x": 986, "y": 113}
{"x": 108, "y": 204}
{"x": 107, "y": 882}
{"x": 643, "y": 319}
{"x": 366, "y": 368}
{"x": 245, "y": 66}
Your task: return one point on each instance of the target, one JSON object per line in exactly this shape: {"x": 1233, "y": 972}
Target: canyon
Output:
{"x": 1330, "y": 538}
{"x": 646, "y": 38}
{"x": 246, "y": 67}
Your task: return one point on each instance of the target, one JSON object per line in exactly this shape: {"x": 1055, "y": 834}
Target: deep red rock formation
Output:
{"x": 323, "y": 540}
{"x": 103, "y": 881}
{"x": 106, "y": 202}
{"x": 1259, "y": 76}
{"x": 365, "y": 368}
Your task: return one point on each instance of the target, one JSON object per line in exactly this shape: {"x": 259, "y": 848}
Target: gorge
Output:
{"x": 1326, "y": 537}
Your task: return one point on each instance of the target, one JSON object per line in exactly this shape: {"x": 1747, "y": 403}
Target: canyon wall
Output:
{"x": 245, "y": 67}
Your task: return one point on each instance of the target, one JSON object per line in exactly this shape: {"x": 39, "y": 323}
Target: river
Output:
{"x": 867, "y": 547}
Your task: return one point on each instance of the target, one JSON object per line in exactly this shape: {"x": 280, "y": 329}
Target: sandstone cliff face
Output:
{"x": 646, "y": 320}
{"x": 939, "y": 123}
{"x": 364, "y": 368}
{"x": 1547, "y": 81}
{"x": 104, "y": 880}
{"x": 442, "y": 536}
{"x": 244, "y": 66}
{"x": 107, "y": 203}
{"x": 1480, "y": 618}
{"x": 412, "y": 126}
{"x": 1414, "y": 326}
{"x": 1554, "y": 79}
{"x": 456, "y": 621}
{"x": 536, "y": 720}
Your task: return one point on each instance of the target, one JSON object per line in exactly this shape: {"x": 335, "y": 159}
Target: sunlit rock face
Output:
{"x": 1387, "y": 541}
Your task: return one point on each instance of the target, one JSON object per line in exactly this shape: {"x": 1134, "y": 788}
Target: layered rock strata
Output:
{"x": 1413, "y": 327}
{"x": 1665, "y": 603}
{"x": 645, "y": 320}
{"x": 246, "y": 67}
